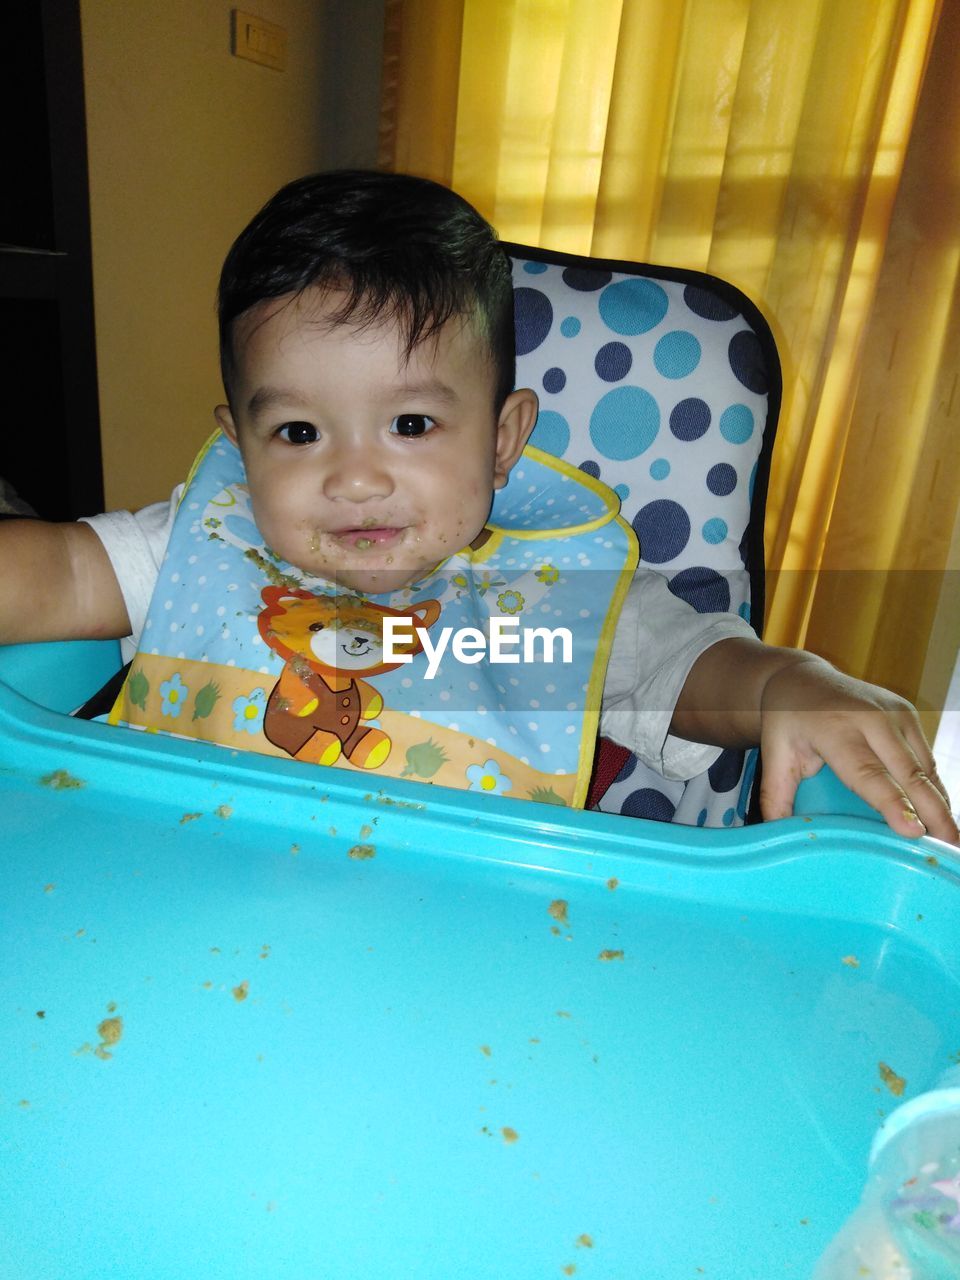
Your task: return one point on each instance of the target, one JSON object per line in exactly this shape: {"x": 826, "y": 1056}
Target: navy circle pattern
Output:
{"x": 612, "y": 362}
{"x": 586, "y": 279}
{"x": 722, "y": 479}
{"x": 725, "y": 772}
{"x": 746, "y": 361}
{"x": 709, "y": 305}
{"x": 703, "y": 589}
{"x": 690, "y": 418}
{"x": 533, "y": 316}
{"x": 663, "y": 528}
{"x": 628, "y": 769}
{"x": 646, "y": 802}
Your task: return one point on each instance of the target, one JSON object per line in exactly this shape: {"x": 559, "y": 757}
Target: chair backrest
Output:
{"x": 666, "y": 385}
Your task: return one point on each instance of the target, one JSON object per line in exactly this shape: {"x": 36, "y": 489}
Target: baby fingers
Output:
{"x": 894, "y": 772}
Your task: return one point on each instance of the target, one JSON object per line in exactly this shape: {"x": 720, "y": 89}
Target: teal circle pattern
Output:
{"x": 714, "y": 531}
{"x": 570, "y": 327}
{"x": 624, "y": 423}
{"x": 631, "y": 307}
{"x": 659, "y": 469}
{"x": 736, "y": 424}
{"x": 552, "y": 433}
{"x": 677, "y": 354}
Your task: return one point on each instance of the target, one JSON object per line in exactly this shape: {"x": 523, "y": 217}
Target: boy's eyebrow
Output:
{"x": 434, "y": 390}
{"x": 265, "y": 398}
{"x": 269, "y": 397}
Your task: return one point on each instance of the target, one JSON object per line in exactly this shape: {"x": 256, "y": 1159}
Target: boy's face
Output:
{"x": 367, "y": 468}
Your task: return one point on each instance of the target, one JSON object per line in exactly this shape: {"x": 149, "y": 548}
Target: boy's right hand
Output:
{"x": 57, "y": 583}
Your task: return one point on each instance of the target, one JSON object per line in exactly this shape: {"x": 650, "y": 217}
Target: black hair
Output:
{"x": 399, "y": 247}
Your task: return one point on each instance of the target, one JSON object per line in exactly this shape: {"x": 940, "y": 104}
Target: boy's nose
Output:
{"x": 356, "y": 474}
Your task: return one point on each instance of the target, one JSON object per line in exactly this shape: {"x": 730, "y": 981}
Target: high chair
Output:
{"x": 665, "y": 384}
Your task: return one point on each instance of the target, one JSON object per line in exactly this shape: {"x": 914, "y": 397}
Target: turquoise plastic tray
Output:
{"x": 262, "y": 1020}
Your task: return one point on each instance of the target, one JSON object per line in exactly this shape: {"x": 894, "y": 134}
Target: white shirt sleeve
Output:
{"x": 136, "y": 543}
{"x": 657, "y": 640}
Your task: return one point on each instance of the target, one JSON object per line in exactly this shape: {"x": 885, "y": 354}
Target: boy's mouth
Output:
{"x": 363, "y": 538}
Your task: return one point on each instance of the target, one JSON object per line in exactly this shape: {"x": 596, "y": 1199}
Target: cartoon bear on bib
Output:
{"x": 321, "y": 705}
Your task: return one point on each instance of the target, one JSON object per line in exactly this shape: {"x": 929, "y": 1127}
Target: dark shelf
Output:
{"x": 50, "y": 437}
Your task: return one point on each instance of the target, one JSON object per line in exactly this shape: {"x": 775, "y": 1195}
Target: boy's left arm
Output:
{"x": 803, "y": 713}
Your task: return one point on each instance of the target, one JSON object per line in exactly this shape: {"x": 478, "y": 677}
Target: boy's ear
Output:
{"x": 518, "y": 417}
{"x": 225, "y": 422}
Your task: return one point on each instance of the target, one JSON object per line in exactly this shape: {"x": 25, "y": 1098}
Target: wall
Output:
{"x": 185, "y": 143}
{"x": 351, "y": 82}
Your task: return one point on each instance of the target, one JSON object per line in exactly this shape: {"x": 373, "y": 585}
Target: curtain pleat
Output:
{"x": 421, "y": 77}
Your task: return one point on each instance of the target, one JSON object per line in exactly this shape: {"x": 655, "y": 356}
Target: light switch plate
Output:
{"x": 258, "y": 40}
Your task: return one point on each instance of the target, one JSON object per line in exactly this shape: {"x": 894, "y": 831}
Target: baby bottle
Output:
{"x": 907, "y": 1225}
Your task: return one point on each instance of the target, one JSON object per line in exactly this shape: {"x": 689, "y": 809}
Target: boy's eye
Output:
{"x": 298, "y": 433}
{"x": 412, "y": 424}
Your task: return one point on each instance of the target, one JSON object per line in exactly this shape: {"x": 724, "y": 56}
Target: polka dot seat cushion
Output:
{"x": 666, "y": 385}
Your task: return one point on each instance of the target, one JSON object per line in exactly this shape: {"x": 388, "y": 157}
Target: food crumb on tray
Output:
{"x": 557, "y": 910}
{"x": 896, "y": 1084}
{"x": 110, "y": 1031}
{"x": 61, "y": 780}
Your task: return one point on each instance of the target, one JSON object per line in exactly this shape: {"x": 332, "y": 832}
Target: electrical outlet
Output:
{"x": 258, "y": 40}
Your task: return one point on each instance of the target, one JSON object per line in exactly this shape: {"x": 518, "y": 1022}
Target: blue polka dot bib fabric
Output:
{"x": 664, "y": 385}
{"x": 485, "y": 675}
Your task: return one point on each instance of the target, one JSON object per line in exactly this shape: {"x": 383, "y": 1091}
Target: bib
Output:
{"x": 485, "y": 675}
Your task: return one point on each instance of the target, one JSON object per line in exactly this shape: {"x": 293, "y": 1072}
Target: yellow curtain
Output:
{"x": 806, "y": 150}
